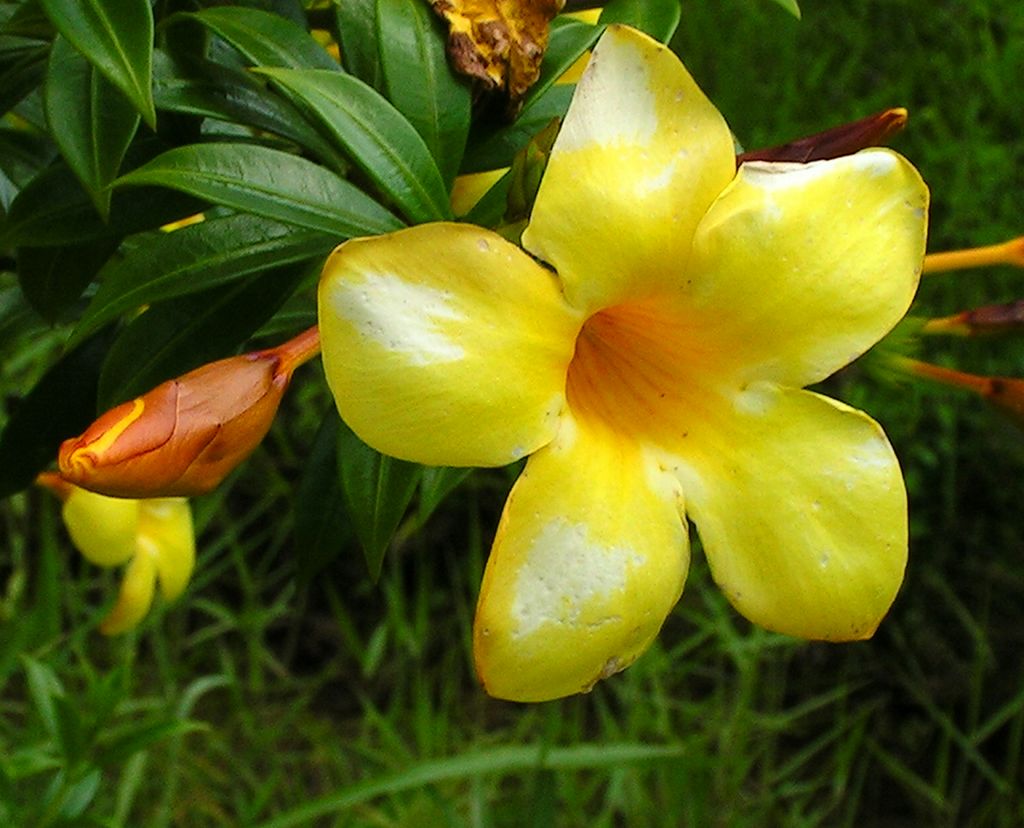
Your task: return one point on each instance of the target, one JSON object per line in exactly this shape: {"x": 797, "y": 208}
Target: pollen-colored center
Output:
{"x": 639, "y": 371}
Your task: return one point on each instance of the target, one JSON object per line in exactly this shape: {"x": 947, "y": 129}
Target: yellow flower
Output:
{"x": 651, "y": 364}
{"x": 153, "y": 537}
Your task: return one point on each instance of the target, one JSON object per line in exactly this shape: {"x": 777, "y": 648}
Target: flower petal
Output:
{"x": 589, "y": 558}
{"x": 640, "y": 157}
{"x": 101, "y": 528}
{"x": 134, "y": 598}
{"x": 445, "y": 344}
{"x": 166, "y": 534}
{"x": 802, "y": 512}
{"x": 798, "y": 269}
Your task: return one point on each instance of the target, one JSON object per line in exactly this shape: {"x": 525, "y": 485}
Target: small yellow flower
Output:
{"x": 153, "y": 537}
{"x": 649, "y": 357}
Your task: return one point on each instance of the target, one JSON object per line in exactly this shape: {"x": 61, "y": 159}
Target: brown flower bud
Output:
{"x": 835, "y": 142}
{"x": 184, "y": 437}
{"x": 987, "y": 320}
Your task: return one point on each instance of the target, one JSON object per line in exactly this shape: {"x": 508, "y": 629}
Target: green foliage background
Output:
{"x": 288, "y": 688}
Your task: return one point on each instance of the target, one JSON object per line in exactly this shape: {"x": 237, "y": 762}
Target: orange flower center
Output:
{"x": 639, "y": 371}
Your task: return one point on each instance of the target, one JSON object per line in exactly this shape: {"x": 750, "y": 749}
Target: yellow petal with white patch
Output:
{"x": 102, "y": 528}
{"x": 167, "y": 536}
{"x": 798, "y": 269}
{"x": 445, "y": 344}
{"x": 641, "y": 156}
{"x": 589, "y": 558}
{"x": 134, "y": 598}
{"x": 801, "y": 510}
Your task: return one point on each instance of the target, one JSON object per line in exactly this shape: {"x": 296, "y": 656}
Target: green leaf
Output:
{"x": 659, "y": 18}
{"x": 497, "y": 761}
{"x": 568, "y": 40}
{"x": 116, "y": 36}
{"x": 91, "y": 121}
{"x": 60, "y": 405}
{"x": 496, "y": 149}
{"x": 119, "y": 747}
{"x": 208, "y": 89}
{"x": 356, "y": 23}
{"x": 380, "y": 141}
{"x": 54, "y": 209}
{"x": 53, "y": 278}
{"x": 436, "y": 483}
{"x": 79, "y": 795}
{"x": 264, "y": 38}
{"x": 43, "y": 687}
{"x": 420, "y": 82}
{"x": 377, "y": 491}
{"x": 28, "y": 20}
{"x": 24, "y": 75}
{"x": 322, "y": 530}
{"x": 791, "y": 6}
{"x": 22, "y": 155}
{"x": 181, "y": 334}
{"x": 213, "y": 253}
{"x": 269, "y": 183}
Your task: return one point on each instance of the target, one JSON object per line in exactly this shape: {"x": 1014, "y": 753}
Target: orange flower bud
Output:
{"x": 832, "y": 143}
{"x": 184, "y": 437}
{"x": 1005, "y": 393}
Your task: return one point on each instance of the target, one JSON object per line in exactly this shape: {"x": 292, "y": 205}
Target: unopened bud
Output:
{"x": 184, "y": 437}
{"x": 988, "y": 320}
{"x": 835, "y": 142}
{"x": 1005, "y": 393}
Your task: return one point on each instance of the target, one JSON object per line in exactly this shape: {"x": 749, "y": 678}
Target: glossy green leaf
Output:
{"x": 568, "y": 40}
{"x": 28, "y": 20}
{"x": 22, "y": 155}
{"x": 496, "y": 149}
{"x": 379, "y": 140}
{"x": 53, "y": 278}
{"x": 116, "y": 36}
{"x": 54, "y": 209}
{"x": 322, "y": 529}
{"x": 356, "y": 30}
{"x": 270, "y": 183}
{"x": 377, "y": 491}
{"x": 419, "y": 80}
{"x": 436, "y": 483}
{"x": 266, "y": 39}
{"x": 21, "y": 77}
{"x": 181, "y": 334}
{"x": 160, "y": 266}
{"x": 60, "y": 405}
{"x": 208, "y": 89}
{"x": 659, "y": 18}
{"x": 89, "y": 118}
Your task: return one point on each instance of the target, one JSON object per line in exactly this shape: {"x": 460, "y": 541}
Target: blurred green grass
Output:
{"x": 263, "y": 699}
